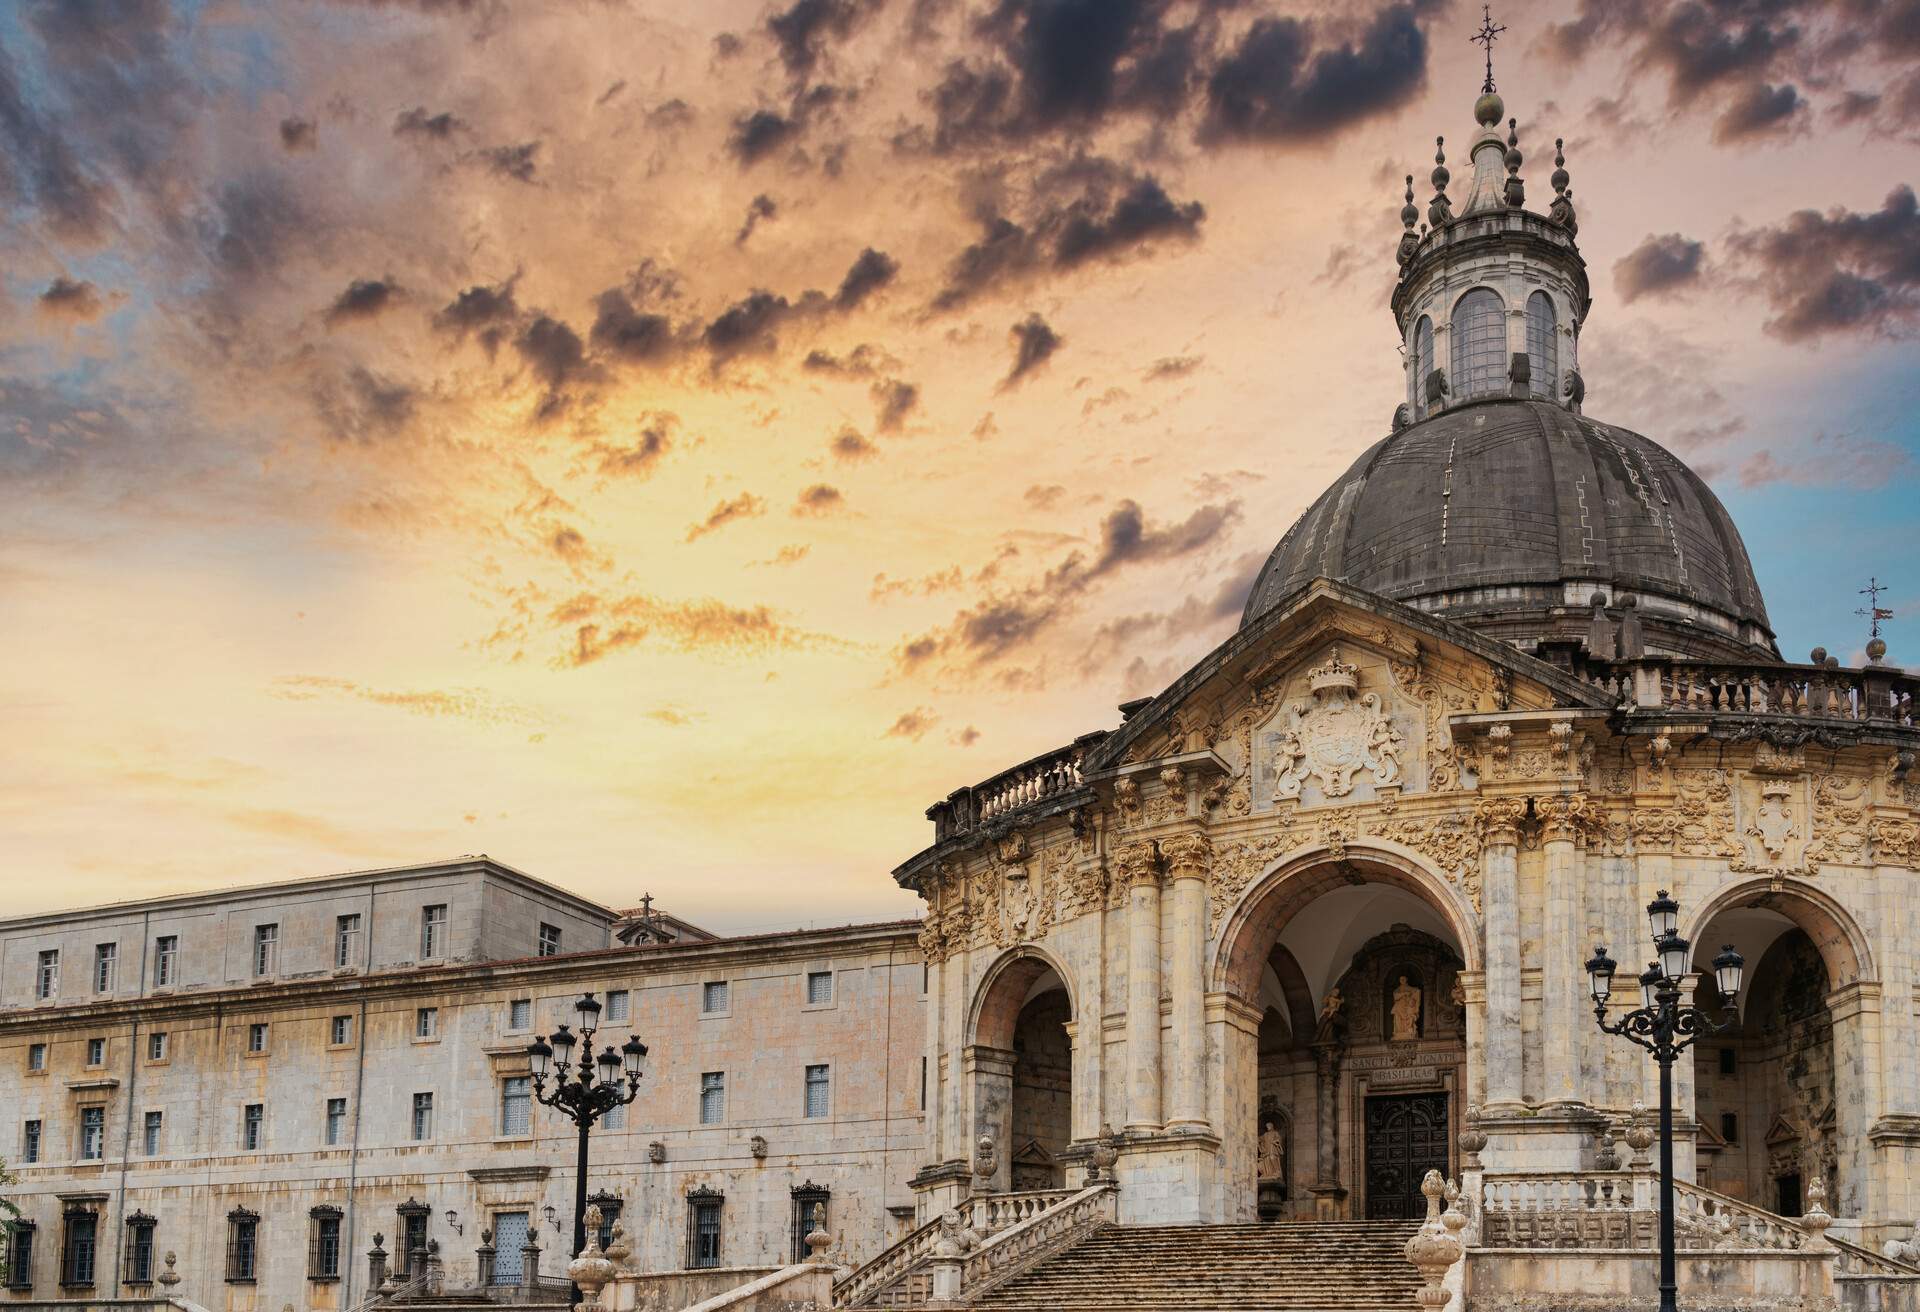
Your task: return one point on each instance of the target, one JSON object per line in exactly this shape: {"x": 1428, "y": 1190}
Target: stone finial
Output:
{"x": 1815, "y": 1219}
{"x": 1104, "y": 1154}
{"x": 1516, "y": 189}
{"x": 1435, "y": 1246}
{"x": 1606, "y": 1156}
{"x": 1440, "y": 209}
{"x": 591, "y": 1270}
{"x": 1639, "y": 1137}
{"x": 817, "y": 1239}
{"x": 618, "y": 1250}
{"x": 1561, "y": 211}
{"x": 169, "y": 1277}
{"x": 1472, "y": 1140}
{"x": 1409, "y": 240}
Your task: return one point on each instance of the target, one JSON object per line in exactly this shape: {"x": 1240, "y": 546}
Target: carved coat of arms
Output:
{"x": 1335, "y": 736}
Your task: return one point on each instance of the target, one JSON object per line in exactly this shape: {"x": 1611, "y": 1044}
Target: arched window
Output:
{"x": 1479, "y": 346}
{"x": 1542, "y": 343}
{"x": 1422, "y": 364}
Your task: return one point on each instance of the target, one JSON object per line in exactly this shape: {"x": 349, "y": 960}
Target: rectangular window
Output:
{"x": 819, "y": 1091}
{"x": 713, "y": 1098}
{"x": 516, "y": 1105}
{"x": 150, "y": 1134}
{"x": 346, "y": 941}
{"x": 93, "y": 1133}
{"x": 82, "y": 1247}
{"x": 36, "y": 1056}
{"x": 923, "y": 1084}
{"x": 243, "y": 1247}
{"x": 433, "y": 931}
{"x": 253, "y": 1124}
{"x": 166, "y": 952}
{"x": 157, "y": 1046}
{"x": 426, "y": 1022}
{"x": 106, "y": 959}
{"x": 617, "y": 1005}
{"x": 266, "y": 949}
{"x": 703, "y": 1232}
{"x": 96, "y": 1052}
{"x": 47, "y": 978}
{"x": 520, "y": 1014}
{"x": 615, "y": 1117}
{"x": 422, "y": 1116}
{"x": 340, "y": 1031}
{"x": 20, "y": 1255}
{"x": 713, "y": 997}
{"x": 336, "y": 1121}
{"x": 819, "y": 987}
{"x": 323, "y": 1244}
{"x": 139, "y": 1258}
{"x": 1730, "y": 1127}
{"x": 257, "y": 1036}
{"x": 30, "y": 1141}
{"x": 549, "y": 940}
{"x": 809, "y": 1210}
{"x": 1726, "y": 1061}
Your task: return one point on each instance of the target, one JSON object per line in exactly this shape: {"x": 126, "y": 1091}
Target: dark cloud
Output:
{"x": 362, "y": 406}
{"x": 670, "y": 114}
{"x": 258, "y": 222}
{"x": 1760, "y": 110}
{"x": 760, "y": 209}
{"x": 516, "y": 162}
{"x": 894, "y": 399}
{"x": 1658, "y": 266}
{"x": 758, "y": 133}
{"x": 65, "y": 298}
{"x": 819, "y": 499}
{"x": 1034, "y": 342}
{"x": 750, "y": 326}
{"x": 849, "y": 447}
{"x": 912, "y": 724}
{"x": 1005, "y": 251}
{"x": 631, "y": 335}
{"x": 364, "y": 298}
{"x": 558, "y": 358}
{"x": 863, "y": 361}
{"x": 1143, "y": 214}
{"x": 871, "y": 270}
{"x": 803, "y": 30}
{"x": 298, "y": 134}
{"x": 41, "y": 169}
{"x": 1172, "y": 366}
{"x": 744, "y": 506}
{"x": 1275, "y": 86}
{"x": 486, "y": 312}
{"x": 417, "y": 122}
{"x": 1838, "y": 272}
{"x": 643, "y": 455}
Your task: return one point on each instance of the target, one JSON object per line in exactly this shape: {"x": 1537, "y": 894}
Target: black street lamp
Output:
{"x": 1666, "y": 1028}
{"x": 581, "y": 1096}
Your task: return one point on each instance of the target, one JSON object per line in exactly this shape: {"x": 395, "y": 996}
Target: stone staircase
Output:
{"x": 1303, "y": 1266}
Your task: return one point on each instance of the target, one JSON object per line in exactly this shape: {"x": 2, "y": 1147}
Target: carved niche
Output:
{"x": 1336, "y": 734}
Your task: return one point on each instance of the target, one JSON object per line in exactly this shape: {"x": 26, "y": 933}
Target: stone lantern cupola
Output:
{"x": 1491, "y": 295}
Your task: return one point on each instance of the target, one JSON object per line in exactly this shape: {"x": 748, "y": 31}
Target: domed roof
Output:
{"x": 1510, "y": 514}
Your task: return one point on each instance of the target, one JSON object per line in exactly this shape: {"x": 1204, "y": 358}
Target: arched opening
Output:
{"x": 1422, "y": 364}
{"x": 1543, "y": 348}
{"x": 1021, "y": 1066}
{"x": 1777, "y": 1094}
{"x": 1479, "y": 337}
{"x": 1353, "y": 965}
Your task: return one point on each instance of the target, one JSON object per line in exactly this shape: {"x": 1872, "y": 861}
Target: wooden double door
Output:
{"x": 1406, "y": 1136}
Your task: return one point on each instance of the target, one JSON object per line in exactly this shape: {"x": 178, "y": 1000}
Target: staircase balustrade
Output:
{"x": 1039, "y": 1236}
{"x": 896, "y": 1277}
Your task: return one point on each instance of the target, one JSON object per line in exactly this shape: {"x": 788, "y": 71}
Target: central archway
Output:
{"x": 1020, "y": 1064}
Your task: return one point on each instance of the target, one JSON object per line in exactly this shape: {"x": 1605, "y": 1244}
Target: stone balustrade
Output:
{"x": 1876, "y": 692}
{"x": 1043, "y": 1232}
{"x": 896, "y": 1277}
{"x": 1045, "y": 776}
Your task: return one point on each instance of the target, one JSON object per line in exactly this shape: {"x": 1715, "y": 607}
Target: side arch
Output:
{"x": 1239, "y": 949}
{"x": 1003, "y": 988}
{"x": 1834, "y": 931}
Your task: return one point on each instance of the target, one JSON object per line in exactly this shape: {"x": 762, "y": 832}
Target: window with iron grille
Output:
{"x": 253, "y": 1122}
{"x": 549, "y": 940}
{"x": 617, "y": 1000}
{"x": 346, "y": 941}
{"x": 433, "y": 931}
{"x": 150, "y": 1134}
{"x": 266, "y": 948}
{"x": 413, "y": 1233}
{"x": 426, "y": 1022}
{"x": 137, "y": 1262}
{"x": 519, "y": 1014}
{"x": 336, "y": 1121}
{"x": 30, "y": 1141}
{"x": 516, "y": 1105}
{"x": 713, "y": 996}
{"x": 609, "y": 1205}
{"x": 96, "y": 1052}
{"x": 704, "y": 1211}
{"x": 20, "y": 1255}
{"x": 713, "y": 1097}
{"x": 819, "y": 987}
{"x": 106, "y": 960}
{"x": 157, "y": 1046}
{"x": 47, "y": 978}
{"x": 614, "y": 1118}
{"x": 166, "y": 953}
{"x": 257, "y": 1036}
{"x": 422, "y": 1116}
{"x": 82, "y": 1247}
{"x": 805, "y": 1198}
{"x": 37, "y": 1057}
{"x": 819, "y": 1091}
{"x": 243, "y": 1246}
{"x": 93, "y": 1133}
{"x": 323, "y": 1243}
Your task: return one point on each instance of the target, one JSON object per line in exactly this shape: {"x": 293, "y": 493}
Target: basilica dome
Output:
{"x": 1510, "y": 515}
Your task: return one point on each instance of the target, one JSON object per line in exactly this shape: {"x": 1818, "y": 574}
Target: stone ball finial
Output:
{"x": 1831, "y": 663}
{"x": 1818, "y": 656}
{"x": 1514, "y": 158}
{"x": 1409, "y": 213}
{"x": 1560, "y": 176}
{"x": 1598, "y": 599}
{"x": 1440, "y": 175}
{"x": 1487, "y": 110}
{"x": 1876, "y": 649}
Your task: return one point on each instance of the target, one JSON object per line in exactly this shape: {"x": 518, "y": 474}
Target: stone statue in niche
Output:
{"x": 1340, "y": 733}
{"x": 1406, "y": 1011}
{"x": 1270, "y": 1156}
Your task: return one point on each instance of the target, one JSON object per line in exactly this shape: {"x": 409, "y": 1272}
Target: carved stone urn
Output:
{"x": 169, "y": 1277}
{"x": 817, "y": 1239}
{"x": 1639, "y": 1137}
{"x": 983, "y": 1164}
{"x": 1472, "y": 1140}
{"x": 591, "y": 1270}
{"x": 1101, "y": 1158}
{"x": 618, "y": 1250}
{"x": 1435, "y": 1246}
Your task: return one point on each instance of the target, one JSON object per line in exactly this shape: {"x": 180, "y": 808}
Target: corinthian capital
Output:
{"x": 1137, "y": 864}
{"x": 1498, "y": 818}
{"x": 1188, "y": 856}
{"x": 1564, "y": 816}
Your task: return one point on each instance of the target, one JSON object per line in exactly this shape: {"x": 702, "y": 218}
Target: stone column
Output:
{"x": 1895, "y": 1135}
{"x": 1188, "y": 857}
{"x": 1499, "y": 820}
{"x": 1327, "y": 1189}
{"x": 1856, "y": 1078}
{"x": 1138, "y": 868}
{"x": 1562, "y": 986}
{"x": 1473, "y": 1014}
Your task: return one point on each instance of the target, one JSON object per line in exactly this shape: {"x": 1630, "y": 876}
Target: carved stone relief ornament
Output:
{"x": 1336, "y": 735}
{"x": 1499, "y": 818}
{"x": 1839, "y": 821}
{"x": 1451, "y": 841}
{"x": 1126, "y": 799}
{"x": 1704, "y": 814}
{"x": 1773, "y": 824}
{"x": 1565, "y": 816}
{"x": 1896, "y": 842}
{"x": 1188, "y": 856}
{"x": 1137, "y": 864}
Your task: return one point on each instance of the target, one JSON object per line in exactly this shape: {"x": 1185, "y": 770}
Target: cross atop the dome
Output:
{"x": 1489, "y": 33}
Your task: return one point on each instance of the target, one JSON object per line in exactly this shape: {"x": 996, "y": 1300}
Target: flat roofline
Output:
{"x": 480, "y": 863}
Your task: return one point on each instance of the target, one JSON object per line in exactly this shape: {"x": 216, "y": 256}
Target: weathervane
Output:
{"x": 1873, "y": 611}
{"x": 1489, "y": 33}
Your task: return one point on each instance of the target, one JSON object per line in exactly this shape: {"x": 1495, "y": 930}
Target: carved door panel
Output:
{"x": 1406, "y": 1136}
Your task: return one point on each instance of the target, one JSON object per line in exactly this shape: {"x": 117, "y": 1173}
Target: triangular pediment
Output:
{"x": 1399, "y": 653}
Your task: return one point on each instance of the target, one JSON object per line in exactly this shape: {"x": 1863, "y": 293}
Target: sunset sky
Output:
{"x": 667, "y": 445}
